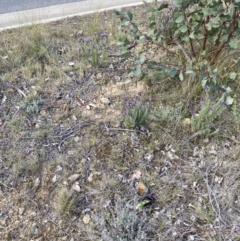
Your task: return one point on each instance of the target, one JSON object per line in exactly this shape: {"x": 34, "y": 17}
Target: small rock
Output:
{"x": 3, "y": 213}
{"x": 74, "y": 118}
{"x": 186, "y": 122}
{"x": 141, "y": 188}
{"x": 58, "y": 168}
{"x": 80, "y": 33}
{"x": 86, "y": 219}
{"x": 21, "y": 211}
{"x": 76, "y": 139}
{"x": 37, "y": 126}
{"x": 90, "y": 178}
{"x": 136, "y": 175}
{"x": 37, "y": 182}
{"x": 206, "y": 140}
{"x": 92, "y": 105}
{"x": 71, "y": 63}
{"x": 76, "y": 187}
{"x": 74, "y": 177}
{"x": 105, "y": 100}
{"x": 117, "y": 78}
{"x": 99, "y": 76}
{"x": 54, "y": 179}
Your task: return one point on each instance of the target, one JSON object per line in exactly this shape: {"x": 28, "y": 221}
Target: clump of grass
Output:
{"x": 169, "y": 114}
{"x": 65, "y": 202}
{"x": 208, "y": 111}
{"x": 235, "y": 113}
{"x": 94, "y": 49}
{"x": 135, "y": 111}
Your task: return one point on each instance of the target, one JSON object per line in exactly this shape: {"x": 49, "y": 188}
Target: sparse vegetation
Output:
{"x": 136, "y": 139}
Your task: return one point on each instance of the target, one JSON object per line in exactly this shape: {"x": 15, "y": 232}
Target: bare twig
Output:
{"x": 210, "y": 194}
{"x": 18, "y": 90}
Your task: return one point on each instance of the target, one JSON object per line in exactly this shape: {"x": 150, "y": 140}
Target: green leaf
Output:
{"x": 233, "y": 43}
{"x": 125, "y": 54}
{"x": 185, "y": 38}
{"x": 172, "y": 72}
{"x": 137, "y": 70}
{"x": 205, "y": 11}
{"x": 162, "y": 6}
{"x": 183, "y": 28}
{"x": 209, "y": 26}
{"x": 179, "y": 19}
{"x": 142, "y": 204}
{"x": 224, "y": 38}
{"x": 192, "y": 35}
{"x": 181, "y": 76}
{"x": 152, "y": 24}
{"x": 118, "y": 11}
{"x": 129, "y": 15}
{"x": 215, "y": 22}
{"x": 142, "y": 58}
{"x": 199, "y": 36}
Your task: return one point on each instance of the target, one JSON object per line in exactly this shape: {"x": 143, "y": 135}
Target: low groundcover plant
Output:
{"x": 135, "y": 111}
{"x": 94, "y": 49}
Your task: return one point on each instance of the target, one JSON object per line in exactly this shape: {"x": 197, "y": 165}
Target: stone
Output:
{"x": 73, "y": 177}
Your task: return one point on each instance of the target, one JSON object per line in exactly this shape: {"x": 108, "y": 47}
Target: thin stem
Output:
{"x": 205, "y": 33}
{"x": 235, "y": 26}
{"x": 189, "y": 32}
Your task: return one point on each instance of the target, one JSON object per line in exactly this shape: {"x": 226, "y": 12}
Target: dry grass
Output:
{"x": 194, "y": 182}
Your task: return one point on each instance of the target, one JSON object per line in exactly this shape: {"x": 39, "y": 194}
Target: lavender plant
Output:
{"x": 135, "y": 111}
{"x": 94, "y": 49}
{"x": 207, "y": 112}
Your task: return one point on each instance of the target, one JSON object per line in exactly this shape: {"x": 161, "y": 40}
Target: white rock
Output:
{"x": 86, "y": 219}
{"x": 76, "y": 187}
{"x": 58, "y": 168}
{"x": 74, "y": 118}
{"x": 21, "y": 211}
{"x": 76, "y": 139}
{"x": 54, "y": 179}
{"x": 105, "y": 100}
{"x": 74, "y": 177}
{"x": 90, "y": 178}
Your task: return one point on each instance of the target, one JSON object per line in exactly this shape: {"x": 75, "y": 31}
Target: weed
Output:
{"x": 135, "y": 112}
{"x": 235, "y": 113}
{"x": 31, "y": 105}
{"x": 121, "y": 223}
{"x": 94, "y": 49}
{"x": 169, "y": 114}
{"x": 65, "y": 203}
{"x": 208, "y": 111}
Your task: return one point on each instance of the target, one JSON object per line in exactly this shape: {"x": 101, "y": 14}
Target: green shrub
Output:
{"x": 191, "y": 35}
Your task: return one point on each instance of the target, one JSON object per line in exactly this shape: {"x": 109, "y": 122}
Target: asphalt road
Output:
{"x": 7, "y": 6}
{"x": 17, "y": 13}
